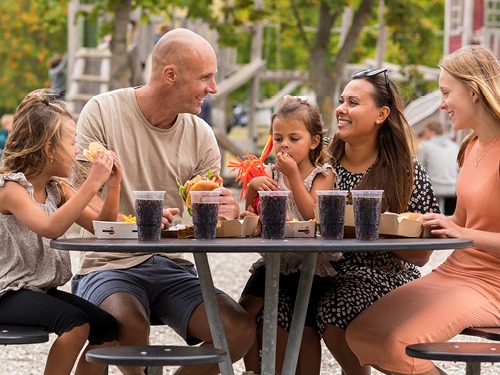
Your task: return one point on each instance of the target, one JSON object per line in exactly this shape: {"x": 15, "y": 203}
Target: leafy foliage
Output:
{"x": 31, "y": 32}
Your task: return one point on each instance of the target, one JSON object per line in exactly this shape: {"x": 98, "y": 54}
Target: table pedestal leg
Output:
{"x": 270, "y": 313}
{"x": 299, "y": 314}
{"x": 213, "y": 313}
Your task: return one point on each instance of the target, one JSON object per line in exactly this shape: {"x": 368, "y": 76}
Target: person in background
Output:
{"x": 37, "y": 205}
{"x": 156, "y": 133}
{"x": 206, "y": 110}
{"x": 5, "y": 127}
{"x": 163, "y": 29}
{"x": 372, "y": 145}
{"x": 464, "y": 291}
{"x": 438, "y": 155}
{"x": 301, "y": 167}
{"x": 57, "y": 75}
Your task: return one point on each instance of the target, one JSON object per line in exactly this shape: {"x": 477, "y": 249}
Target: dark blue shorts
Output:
{"x": 168, "y": 291}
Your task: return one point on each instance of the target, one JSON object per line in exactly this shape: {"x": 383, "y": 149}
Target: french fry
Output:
{"x": 129, "y": 218}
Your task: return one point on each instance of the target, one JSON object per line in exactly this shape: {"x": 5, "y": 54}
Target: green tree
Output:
{"x": 306, "y": 34}
{"x": 31, "y": 32}
{"x": 307, "y": 37}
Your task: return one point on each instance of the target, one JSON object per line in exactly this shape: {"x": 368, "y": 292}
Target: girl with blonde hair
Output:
{"x": 37, "y": 205}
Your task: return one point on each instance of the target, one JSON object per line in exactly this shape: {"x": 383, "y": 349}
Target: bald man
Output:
{"x": 158, "y": 138}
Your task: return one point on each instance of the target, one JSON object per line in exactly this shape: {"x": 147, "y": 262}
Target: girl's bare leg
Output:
{"x": 334, "y": 338}
{"x": 88, "y": 368}
{"x": 65, "y": 350}
{"x": 254, "y": 306}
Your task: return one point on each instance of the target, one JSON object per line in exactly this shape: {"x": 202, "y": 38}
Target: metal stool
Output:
{"x": 472, "y": 353}
{"x": 155, "y": 357}
{"x": 16, "y": 335}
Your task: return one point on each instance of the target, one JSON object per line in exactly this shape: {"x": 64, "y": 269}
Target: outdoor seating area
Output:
{"x": 213, "y": 188}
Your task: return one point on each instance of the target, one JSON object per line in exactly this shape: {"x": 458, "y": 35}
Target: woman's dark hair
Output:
{"x": 392, "y": 170}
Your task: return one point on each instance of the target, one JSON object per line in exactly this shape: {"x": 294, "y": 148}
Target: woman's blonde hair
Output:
{"x": 478, "y": 68}
{"x": 38, "y": 120}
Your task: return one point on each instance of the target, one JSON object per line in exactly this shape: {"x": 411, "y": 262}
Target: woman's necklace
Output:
{"x": 478, "y": 158}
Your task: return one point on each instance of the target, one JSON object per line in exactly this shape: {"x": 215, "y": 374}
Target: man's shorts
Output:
{"x": 168, "y": 291}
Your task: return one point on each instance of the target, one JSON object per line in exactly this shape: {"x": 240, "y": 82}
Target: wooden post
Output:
{"x": 254, "y": 88}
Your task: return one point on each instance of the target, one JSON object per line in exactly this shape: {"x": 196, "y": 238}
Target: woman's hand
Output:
{"x": 442, "y": 225}
{"x": 251, "y": 212}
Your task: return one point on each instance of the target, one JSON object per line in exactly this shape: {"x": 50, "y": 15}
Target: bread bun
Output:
{"x": 91, "y": 151}
{"x": 202, "y": 185}
{"x": 209, "y": 182}
{"x": 410, "y": 215}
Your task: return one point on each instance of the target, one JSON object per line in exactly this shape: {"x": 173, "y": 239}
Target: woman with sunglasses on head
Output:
{"x": 371, "y": 149}
{"x": 465, "y": 290}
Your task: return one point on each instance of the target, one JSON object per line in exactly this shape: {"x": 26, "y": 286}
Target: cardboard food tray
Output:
{"x": 237, "y": 228}
{"x": 300, "y": 229}
{"x": 182, "y": 231}
{"x": 391, "y": 225}
{"x": 225, "y": 228}
{"x": 117, "y": 230}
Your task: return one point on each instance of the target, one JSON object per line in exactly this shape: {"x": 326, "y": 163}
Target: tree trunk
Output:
{"x": 323, "y": 78}
{"x": 121, "y": 74}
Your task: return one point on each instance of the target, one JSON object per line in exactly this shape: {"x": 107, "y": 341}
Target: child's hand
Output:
{"x": 263, "y": 183}
{"x": 116, "y": 173}
{"x": 101, "y": 168}
{"x": 286, "y": 164}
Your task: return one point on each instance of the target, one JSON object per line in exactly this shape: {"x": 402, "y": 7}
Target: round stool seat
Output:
{"x": 456, "y": 351}
{"x": 155, "y": 355}
{"x": 15, "y": 335}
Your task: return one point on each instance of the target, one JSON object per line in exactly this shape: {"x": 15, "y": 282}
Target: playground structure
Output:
{"x": 467, "y": 22}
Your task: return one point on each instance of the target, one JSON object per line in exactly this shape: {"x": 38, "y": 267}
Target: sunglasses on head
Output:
{"x": 372, "y": 73}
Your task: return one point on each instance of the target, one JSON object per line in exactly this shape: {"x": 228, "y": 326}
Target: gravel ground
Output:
{"x": 230, "y": 272}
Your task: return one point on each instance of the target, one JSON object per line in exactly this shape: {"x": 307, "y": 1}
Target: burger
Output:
{"x": 208, "y": 182}
{"x": 91, "y": 151}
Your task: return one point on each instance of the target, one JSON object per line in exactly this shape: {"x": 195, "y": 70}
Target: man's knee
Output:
{"x": 238, "y": 322}
{"x": 129, "y": 312}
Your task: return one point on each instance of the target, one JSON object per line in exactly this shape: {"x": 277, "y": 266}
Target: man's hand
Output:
{"x": 228, "y": 206}
{"x": 168, "y": 217}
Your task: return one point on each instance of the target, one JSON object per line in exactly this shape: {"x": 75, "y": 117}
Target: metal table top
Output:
{"x": 257, "y": 244}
